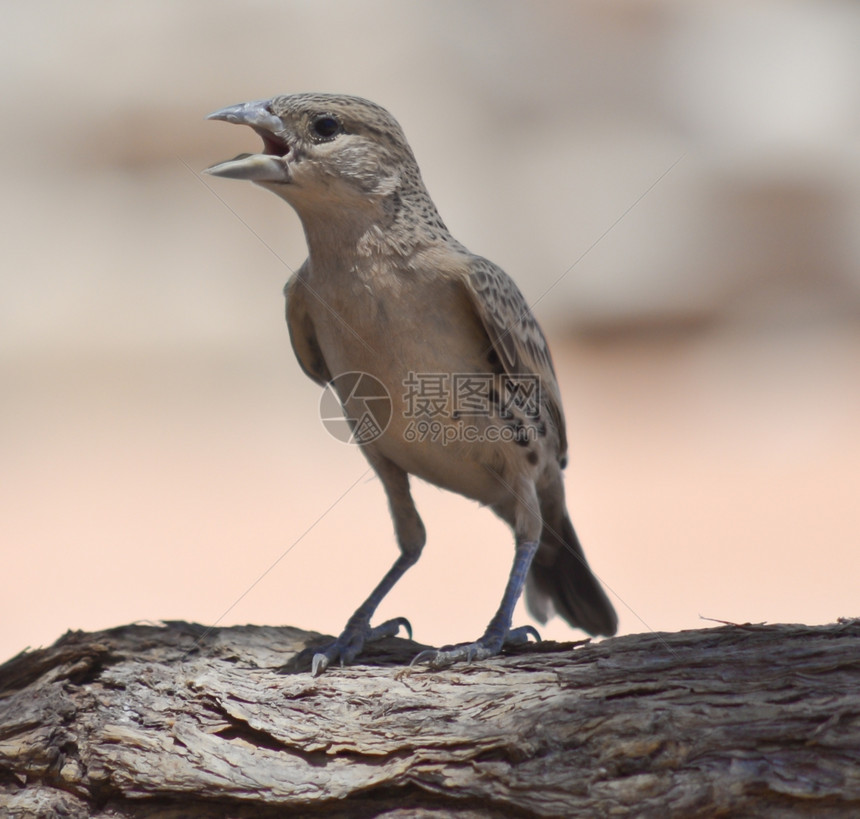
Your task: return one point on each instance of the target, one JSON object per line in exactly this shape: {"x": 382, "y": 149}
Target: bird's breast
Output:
{"x": 418, "y": 336}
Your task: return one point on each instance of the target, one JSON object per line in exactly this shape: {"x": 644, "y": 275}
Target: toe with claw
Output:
{"x": 353, "y": 639}
{"x": 486, "y": 646}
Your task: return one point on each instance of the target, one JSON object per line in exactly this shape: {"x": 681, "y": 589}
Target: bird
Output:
{"x": 388, "y": 294}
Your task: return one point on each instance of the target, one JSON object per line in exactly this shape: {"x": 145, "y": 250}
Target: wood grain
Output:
{"x": 175, "y": 720}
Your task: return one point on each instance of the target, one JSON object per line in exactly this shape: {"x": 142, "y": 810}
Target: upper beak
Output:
{"x": 268, "y": 166}
{"x": 256, "y": 114}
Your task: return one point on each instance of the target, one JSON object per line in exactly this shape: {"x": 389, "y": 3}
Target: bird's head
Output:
{"x": 322, "y": 149}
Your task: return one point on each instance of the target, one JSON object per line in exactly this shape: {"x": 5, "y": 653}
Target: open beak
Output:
{"x": 268, "y": 166}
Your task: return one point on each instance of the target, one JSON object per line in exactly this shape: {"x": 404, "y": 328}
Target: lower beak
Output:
{"x": 253, "y": 167}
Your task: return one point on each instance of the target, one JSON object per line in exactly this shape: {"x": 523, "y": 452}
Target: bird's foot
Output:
{"x": 352, "y": 640}
{"x": 487, "y": 646}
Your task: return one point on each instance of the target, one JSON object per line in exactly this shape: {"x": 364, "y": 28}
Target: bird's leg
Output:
{"x": 410, "y": 537}
{"x": 522, "y": 512}
{"x": 499, "y": 631}
{"x": 358, "y": 630}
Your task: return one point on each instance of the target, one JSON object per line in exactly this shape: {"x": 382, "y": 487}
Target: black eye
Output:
{"x": 325, "y": 126}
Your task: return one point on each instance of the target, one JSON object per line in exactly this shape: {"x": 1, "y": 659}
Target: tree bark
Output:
{"x": 176, "y": 720}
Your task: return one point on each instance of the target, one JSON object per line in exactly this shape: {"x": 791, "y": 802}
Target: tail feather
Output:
{"x": 561, "y": 582}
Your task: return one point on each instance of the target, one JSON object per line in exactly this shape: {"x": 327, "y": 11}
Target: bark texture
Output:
{"x": 175, "y": 720}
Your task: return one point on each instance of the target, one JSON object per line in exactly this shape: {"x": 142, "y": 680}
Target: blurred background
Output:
{"x": 675, "y": 186}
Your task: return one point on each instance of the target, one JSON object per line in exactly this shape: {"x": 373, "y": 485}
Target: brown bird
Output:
{"x": 446, "y": 342}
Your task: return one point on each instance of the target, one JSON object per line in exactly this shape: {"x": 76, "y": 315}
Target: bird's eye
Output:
{"x": 325, "y": 126}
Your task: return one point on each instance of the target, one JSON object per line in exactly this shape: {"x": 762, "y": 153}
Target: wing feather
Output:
{"x": 515, "y": 335}
{"x": 302, "y": 334}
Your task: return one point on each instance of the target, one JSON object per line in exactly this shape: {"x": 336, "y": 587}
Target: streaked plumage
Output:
{"x": 386, "y": 290}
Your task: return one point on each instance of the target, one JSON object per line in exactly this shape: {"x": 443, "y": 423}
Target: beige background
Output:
{"x": 160, "y": 448}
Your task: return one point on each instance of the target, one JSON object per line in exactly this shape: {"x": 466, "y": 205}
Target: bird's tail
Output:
{"x": 561, "y": 582}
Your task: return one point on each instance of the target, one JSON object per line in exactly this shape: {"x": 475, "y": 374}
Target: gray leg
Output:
{"x": 524, "y": 515}
{"x": 410, "y": 537}
{"x": 499, "y": 631}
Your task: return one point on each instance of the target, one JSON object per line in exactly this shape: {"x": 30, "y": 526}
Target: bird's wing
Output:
{"x": 302, "y": 333}
{"x": 515, "y": 335}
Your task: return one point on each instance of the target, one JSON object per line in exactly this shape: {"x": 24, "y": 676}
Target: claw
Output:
{"x": 353, "y": 639}
{"x": 320, "y": 664}
{"x": 390, "y": 628}
{"x": 520, "y": 636}
{"x": 479, "y": 650}
{"x": 424, "y": 656}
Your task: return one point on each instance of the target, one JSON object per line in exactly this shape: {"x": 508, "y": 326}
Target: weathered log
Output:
{"x": 176, "y": 720}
